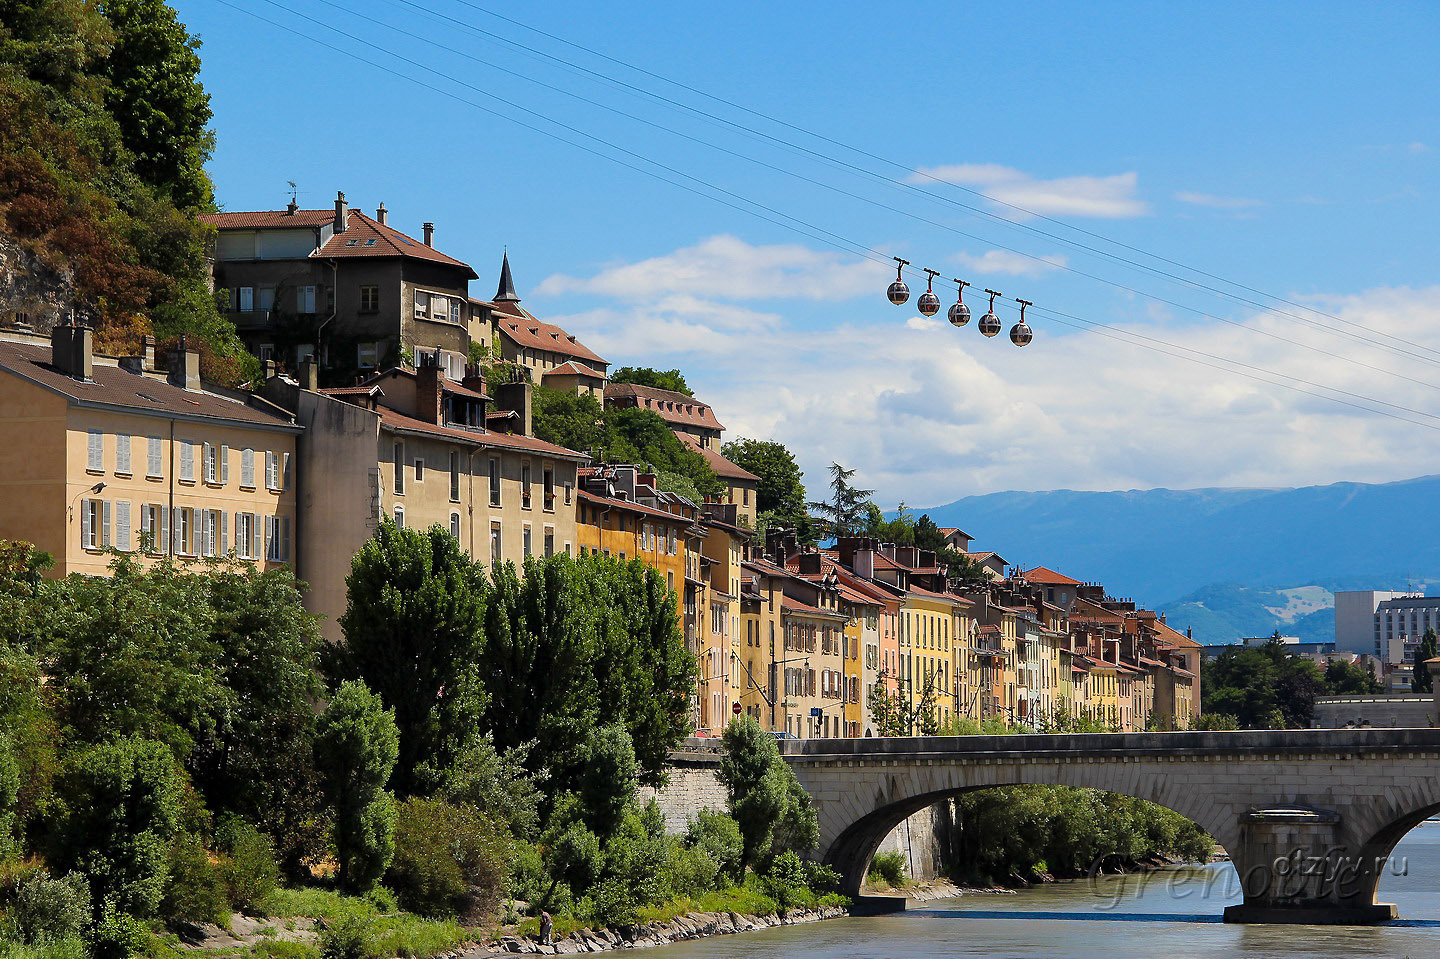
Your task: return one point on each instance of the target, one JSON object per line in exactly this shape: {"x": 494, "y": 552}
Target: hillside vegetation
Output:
{"x": 105, "y": 136}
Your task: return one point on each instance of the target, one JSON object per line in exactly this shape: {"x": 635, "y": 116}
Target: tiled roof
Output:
{"x": 1049, "y": 577}
{"x": 364, "y": 390}
{"x": 795, "y": 606}
{"x": 982, "y": 557}
{"x": 673, "y": 407}
{"x": 364, "y": 237}
{"x": 1174, "y": 637}
{"x": 112, "y": 386}
{"x": 718, "y": 463}
{"x": 574, "y": 368}
{"x": 269, "y": 219}
{"x": 630, "y": 507}
{"x": 399, "y": 421}
{"x": 516, "y": 324}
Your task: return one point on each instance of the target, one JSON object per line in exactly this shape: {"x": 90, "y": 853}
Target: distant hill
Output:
{"x": 1227, "y": 561}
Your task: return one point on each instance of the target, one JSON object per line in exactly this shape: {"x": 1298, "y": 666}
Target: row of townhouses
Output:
{"x": 370, "y": 409}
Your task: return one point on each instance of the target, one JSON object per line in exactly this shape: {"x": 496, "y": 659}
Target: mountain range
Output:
{"x": 1228, "y": 562}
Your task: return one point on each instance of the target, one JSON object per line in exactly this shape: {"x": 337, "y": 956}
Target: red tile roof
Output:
{"x": 673, "y": 407}
{"x": 718, "y": 463}
{"x": 1049, "y": 577}
{"x": 363, "y": 238}
{"x": 269, "y": 219}
{"x": 795, "y": 606}
{"x": 111, "y": 386}
{"x": 631, "y": 507}
{"x": 399, "y": 421}
{"x": 519, "y": 326}
{"x": 574, "y": 368}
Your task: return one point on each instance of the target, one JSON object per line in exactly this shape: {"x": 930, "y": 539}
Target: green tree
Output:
{"x": 658, "y": 379}
{"x": 607, "y": 782}
{"x": 573, "y": 420}
{"x": 155, "y": 94}
{"x": 764, "y": 798}
{"x": 845, "y": 513}
{"x": 356, "y": 746}
{"x": 679, "y": 484}
{"x": 122, "y": 809}
{"x": 498, "y": 784}
{"x": 642, "y": 436}
{"x": 9, "y": 797}
{"x": 414, "y": 625}
{"x": 1262, "y": 686}
{"x": 781, "y": 491}
{"x": 1347, "y": 679}
{"x": 1420, "y": 679}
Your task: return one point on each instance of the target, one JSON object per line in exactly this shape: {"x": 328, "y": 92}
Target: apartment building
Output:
{"x": 621, "y": 513}
{"x": 118, "y": 454}
{"x": 723, "y": 680}
{"x": 345, "y": 288}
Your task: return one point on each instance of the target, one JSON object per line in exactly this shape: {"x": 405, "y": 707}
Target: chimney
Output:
{"x": 291, "y": 207}
{"x": 517, "y": 397}
{"x": 72, "y": 351}
{"x": 809, "y": 563}
{"x": 184, "y": 367}
{"x": 308, "y": 374}
{"x": 342, "y": 213}
{"x": 382, "y": 215}
{"x": 429, "y": 395}
{"x": 429, "y": 234}
{"x": 473, "y": 379}
{"x": 147, "y": 353}
{"x": 267, "y": 370}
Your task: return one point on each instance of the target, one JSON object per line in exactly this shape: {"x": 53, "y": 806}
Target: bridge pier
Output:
{"x": 1298, "y": 865}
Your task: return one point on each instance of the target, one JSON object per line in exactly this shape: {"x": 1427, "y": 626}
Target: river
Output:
{"x": 1167, "y": 914}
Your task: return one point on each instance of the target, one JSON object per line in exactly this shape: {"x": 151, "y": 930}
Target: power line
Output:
{"x": 909, "y": 169}
{"x": 820, "y": 234}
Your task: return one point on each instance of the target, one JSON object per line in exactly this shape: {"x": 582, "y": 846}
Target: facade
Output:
{"x": 620, "y": 513}
{"x": 119, "y": 455}
{"x": 346, "y": 288}
{"x": 1356, "y": 628}
{"x": 1400, "y": 623}
{"x": 553, "y": 357}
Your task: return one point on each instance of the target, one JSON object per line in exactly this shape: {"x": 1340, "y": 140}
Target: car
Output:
{"x": 783, "y": 734}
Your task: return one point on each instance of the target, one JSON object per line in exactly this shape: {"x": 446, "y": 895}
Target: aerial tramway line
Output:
{"x": 929, "y": 304}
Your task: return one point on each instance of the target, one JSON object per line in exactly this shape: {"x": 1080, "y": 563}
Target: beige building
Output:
{"x": 116, "y": 454}
{"x": 412, "y": 447}
{"x": 554, "y": 358}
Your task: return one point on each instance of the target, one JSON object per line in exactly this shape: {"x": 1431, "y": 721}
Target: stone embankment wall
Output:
{"x": 1337, "y": 712}
{"x": 694, "y": 786}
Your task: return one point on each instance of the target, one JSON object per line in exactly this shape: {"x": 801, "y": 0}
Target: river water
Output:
{"x": 1160, "y": 915}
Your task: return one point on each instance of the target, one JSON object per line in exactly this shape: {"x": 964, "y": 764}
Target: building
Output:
{"x": 117, "y": 454}
{"x": 1356, "y": 629}
{"x": 956, "y": 539}
{"x": 554, "y": 358}
{"x": 621, "y": 513}
{"x": 344, "y": 287}
{"x": 414, "y": 447}
{"x": 1400, "y": 623}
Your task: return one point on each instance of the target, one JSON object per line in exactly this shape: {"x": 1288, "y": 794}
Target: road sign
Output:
{"x": 816, "y": 711}
{"x": 735, "y": 709}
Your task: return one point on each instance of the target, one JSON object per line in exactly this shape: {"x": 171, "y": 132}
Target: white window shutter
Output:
{"x": 224, "y": 465}
{"x": 122, "y": 526}
{"x": 177, "y": 531}
{"x": 285, "y": 539}
{"x": 85, "y": 523}
{"x": 259, "y": 546}
{"x": 224, "y": 532}
{"x": 105, "y": 524}
{"x": 285, "y": 471}
{"x": 162, "y": 543}
{"x": 153, "y": 467}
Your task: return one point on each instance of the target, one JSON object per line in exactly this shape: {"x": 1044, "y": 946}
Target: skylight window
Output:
{"x": 370, "y": 242}
{"x": 351, "y": 242}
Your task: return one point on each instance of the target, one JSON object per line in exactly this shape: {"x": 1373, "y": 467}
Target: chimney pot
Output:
{"x": 429, "y": 234}
{"x": 382, "y": 215}
{"x": 72, "y": 351}
{"x": 308, "y": 375}
{"x": 342, "y": 213}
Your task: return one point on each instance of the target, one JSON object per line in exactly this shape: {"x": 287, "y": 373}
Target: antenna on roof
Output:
{"x": 293, "y": 194}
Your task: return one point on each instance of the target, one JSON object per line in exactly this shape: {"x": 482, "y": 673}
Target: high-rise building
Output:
{"x": 1356, "y": 629}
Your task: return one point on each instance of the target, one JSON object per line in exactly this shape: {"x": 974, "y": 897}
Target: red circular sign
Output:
{"x": 735, "y": 709}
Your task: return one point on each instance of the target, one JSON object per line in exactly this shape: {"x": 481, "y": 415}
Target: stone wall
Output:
{"x": 1337, "y": 712}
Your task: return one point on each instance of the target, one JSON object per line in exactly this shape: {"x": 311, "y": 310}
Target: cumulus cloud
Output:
{"x": 1112, "y": 197}
{"x": 728, "y": 268}
{"x": 929, "y": 413}
{"x": 1218, "y": 202}
{"x": 1005, "y": 263}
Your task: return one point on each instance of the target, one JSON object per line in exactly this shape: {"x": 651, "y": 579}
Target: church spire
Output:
{"x": 506, "y": 293}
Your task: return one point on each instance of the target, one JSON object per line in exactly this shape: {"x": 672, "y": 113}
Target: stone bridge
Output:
{"x": 1308, "y": 816}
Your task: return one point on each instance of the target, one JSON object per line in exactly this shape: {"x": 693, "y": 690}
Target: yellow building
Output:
{"x": 620, "y": 513}
{"x": 723, "y": 682}
{"x": 927, "y": 653}
{"x": 110, "y": 454}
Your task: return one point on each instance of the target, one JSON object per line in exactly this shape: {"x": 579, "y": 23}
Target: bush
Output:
{"x": 718, "y": 835}
{"x": 347, "y": 937}
{"x": 40, "y": 910}
{"x": 888, "y": 868}
{"x": 118, "y": 935}
{"x": 689, "y": 870}
{"x": 785, "y": 880}
{"x": 252, "y": 873}
{"x": 195, "y": 890}
{"x": 449, "y": 861}
{"x": 822, "y": 878}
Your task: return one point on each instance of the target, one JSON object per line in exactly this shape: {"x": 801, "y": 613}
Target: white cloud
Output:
{"x": 728, "y": 268}
{"x": 929, "y": 413}
{"x": 1417, "y": 147}
{"x": 1111, "y": 197}
{"x": 1218, "y": 202}
{"x": 1005, "y": 263}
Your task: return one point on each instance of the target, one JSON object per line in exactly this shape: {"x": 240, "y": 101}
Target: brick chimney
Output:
{"x": 517, "y": 398}
{"x": 308, "y": 374}
{"x": 429, "y": 395}
{"x": 72, "y": 351}
{"x": 473, "y": 379}
{"x": 382, "y": 215}
{"x": 429, "y": 234}
{"x": 184, "y": 367}
{"x": 342, "y": 213}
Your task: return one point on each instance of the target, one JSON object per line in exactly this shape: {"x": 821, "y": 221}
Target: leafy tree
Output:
{"x": 672, "y": 380}
{"x": 844, "y": 514}
{"x": 781, "y": 490}
{"x": 1342, "y": 679}
{"x": 765, "y": 799}
{"x": 573, "y": 420}
{"x": 900, "y": 530}
{"x": 680, "y": 484}
{"x": 1262, "y": 686}
{"x": 607, "y": 782}
{"x": 449, "y": 860}
{"x": 1420, "y": 679}
{"x": 356, "y": 746}
{"x": 498, "y": 784}
{"x": 642, "y": 436}
{"x": 122, "y": 809}
{"x": 9, "y": 797}
{"x": 414, "y": 627}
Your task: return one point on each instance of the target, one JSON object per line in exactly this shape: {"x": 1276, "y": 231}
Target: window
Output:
{"x": 247, "y": 470}
{"x": 153, "y": 458}
{"x": 224, "y": 465}
{"x": 122, "y": 454}
{"x": 454, "y": 311}
{"x": 187, "y": 461}
{"x": 568, "y": 492}
{"x": 152, "y": 535}
{"x": 369, "y": 299}
{"x": 212, "y": 464}
{"x": 245, "y": 534}
{"x": 422, "y": 303}
{"x": 525, "y": 486}
{"x": 454, "y": 476}
{"x": 549, "y": 479}
{"x": 122, "y": 526}
{"x": 183, "y": 527}
{"x": 277, "y": 539}
{"x": 455, "y": 525}
{"x": 94, "y": 524}
{"x": 305, "y": 299}
{"x": 525, "y": 540}
{"x": 494, "y": 482}
{"x": 367, "y": 355}
{"x": 439, "y": 307}
{"x": 272, "y": 470}
{"x": 95, "y": 452}
{"x": 245, "y": 299}
{"x": 265, "y": 298}
{"x": 495, "y": 544}
{"x": 399, "y": 517}
{"x": 398, "y": 463}
{"x": 549, "y": 541}
{"x": 419, "y": 469}
{"x": 209, "y": 534}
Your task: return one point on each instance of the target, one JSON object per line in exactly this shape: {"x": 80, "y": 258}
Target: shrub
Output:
{"x": 689, "y": 870}
{"x": 449, "y": 860}
{"x": 821, "y": 878}
{"x": 195, "y": 890}
{"x": 718, "y": 835}
{"x": 252, "y": 873}
{"x": 786, "y": 880}
{"x": 347, "y": 937}
{"x": 41, "y": 910}
{"x": 117, "y": 935}
{"x": 888, "y": 868}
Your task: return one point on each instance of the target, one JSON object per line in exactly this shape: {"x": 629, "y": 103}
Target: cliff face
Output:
{"x": 34, "y": 291}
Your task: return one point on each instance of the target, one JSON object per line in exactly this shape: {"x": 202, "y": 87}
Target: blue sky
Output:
{"x": 1294, "y": 148}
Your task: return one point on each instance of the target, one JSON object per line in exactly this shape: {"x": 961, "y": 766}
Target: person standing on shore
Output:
{"x": 547, "y": 925}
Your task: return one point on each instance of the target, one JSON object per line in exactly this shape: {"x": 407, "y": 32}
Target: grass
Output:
{"x": 64, "y": 949}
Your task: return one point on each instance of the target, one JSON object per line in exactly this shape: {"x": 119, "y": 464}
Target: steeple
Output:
{"x": 506, "y": 293}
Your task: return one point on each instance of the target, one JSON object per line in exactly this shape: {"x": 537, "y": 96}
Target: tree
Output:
{"x": 500, "y": 785}
{"x": 607, "y": 784}
{"x": 672, "y": 380}
{"x": 414, "y": 627}
{"x": 1420, "y": 679}
{"x": 573, "y": 420}
{"x": 845, "y": 512}
{"x": 356, "y": 745}
{"x": 155, "y": 94}
{"x": 1263, "y": 687}
{"x": 642, "y": 436}
{"x": 1346, "y": 679}
{"x": 765, "y": 799}
{"x": 122, "y": 809}
{"x": 781, "y": 490}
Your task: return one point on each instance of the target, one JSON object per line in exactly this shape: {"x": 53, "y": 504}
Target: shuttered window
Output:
{"x": 153, "y": 463}
{"x": 122, "y": 454}
{"x": 95, "y": 452}
{"x": 187, "y": 460}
